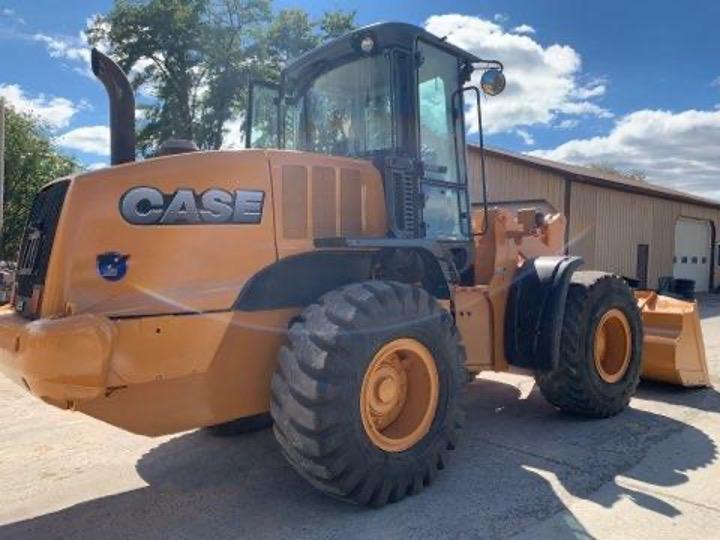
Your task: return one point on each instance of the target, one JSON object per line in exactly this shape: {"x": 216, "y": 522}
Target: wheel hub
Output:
{"x": 387, "y": 388}
{"x": 612, "y": 346}
{"x": 399, "y": 395}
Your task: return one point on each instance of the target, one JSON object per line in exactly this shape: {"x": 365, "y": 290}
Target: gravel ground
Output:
{"x": 522, "y": 470}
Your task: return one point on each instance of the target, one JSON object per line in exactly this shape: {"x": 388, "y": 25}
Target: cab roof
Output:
{"x": 389, "y": 34}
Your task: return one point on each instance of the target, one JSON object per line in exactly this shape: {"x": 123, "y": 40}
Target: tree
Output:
{"x": 196, "y": 57}
{"x": 290, "y": 35}
{"x": 31, "y": 161}
{"x": 337, "y": 23}
{"x": 190, "y": 54}
{"x": 235, "y": 53}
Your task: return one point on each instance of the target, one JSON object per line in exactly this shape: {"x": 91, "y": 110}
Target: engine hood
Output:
{"x": 179, "y": 234}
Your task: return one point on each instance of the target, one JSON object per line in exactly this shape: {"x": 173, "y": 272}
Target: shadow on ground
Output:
{"x": 496, "y": 485}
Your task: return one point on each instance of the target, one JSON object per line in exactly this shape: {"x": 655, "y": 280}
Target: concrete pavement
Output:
{"x": 522, "y": 470}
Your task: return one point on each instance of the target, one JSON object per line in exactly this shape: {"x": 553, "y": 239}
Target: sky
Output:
{"x": 630, "y": 84}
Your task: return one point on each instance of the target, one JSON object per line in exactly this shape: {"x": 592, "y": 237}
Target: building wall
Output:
{"x": 605, "y": 225}
{"x": 509, "y": 181}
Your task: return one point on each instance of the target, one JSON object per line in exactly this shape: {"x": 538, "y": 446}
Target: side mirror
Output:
{"x": 492, "y": 82}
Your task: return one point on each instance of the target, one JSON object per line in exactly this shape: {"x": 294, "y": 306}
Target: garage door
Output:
{"x": 692, "y": 252}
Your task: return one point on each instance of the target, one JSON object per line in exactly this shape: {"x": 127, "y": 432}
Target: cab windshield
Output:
{"x": 344, "y": 112}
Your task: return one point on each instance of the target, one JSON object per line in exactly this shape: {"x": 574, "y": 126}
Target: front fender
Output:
{"x": 535, "y": 310}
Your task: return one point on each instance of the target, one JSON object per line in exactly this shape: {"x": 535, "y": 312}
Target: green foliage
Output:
{"x": 30, "y": 162}
{"x": 292, "y": 33}
{"x": 289, "y": 35}
{"x": 196, "y": 57}
{"x": 337, "y": 23}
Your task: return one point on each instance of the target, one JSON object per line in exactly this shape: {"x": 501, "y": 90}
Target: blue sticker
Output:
{"x": 112, "y": 265}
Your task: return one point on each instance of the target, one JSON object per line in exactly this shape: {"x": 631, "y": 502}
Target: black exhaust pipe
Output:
{"x": 122, "y": 107}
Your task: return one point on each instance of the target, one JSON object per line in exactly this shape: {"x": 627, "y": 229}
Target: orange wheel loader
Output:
{"x": 332, "y": 276}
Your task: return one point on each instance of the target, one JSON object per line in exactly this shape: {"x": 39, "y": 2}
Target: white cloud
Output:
{"x": 568, "y": 123}
{"x": 88, "y": 139}
{"x": 97, "y": 166}
{"x": 525, "y": 136}
{"x": 543, "y": 83}
{"x": 75, "y": 49}
{"x": 715, "y": 82}
{"x": 590, "y": 91}
{"x": 584, "y": 108}
{"x": 55, "y": 111}
{"x": 9, "y": 12}
{"x": 676, "y": 150}
{"x": 141, "y": 65}
{"x": 68, "y": 48}
{"x": 523, "y": 29}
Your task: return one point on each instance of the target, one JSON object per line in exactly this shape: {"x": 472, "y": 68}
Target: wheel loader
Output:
{"x": 333, "y": 276}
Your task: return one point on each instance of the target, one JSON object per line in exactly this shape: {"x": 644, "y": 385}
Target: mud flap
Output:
{"x": 673, "y": 346}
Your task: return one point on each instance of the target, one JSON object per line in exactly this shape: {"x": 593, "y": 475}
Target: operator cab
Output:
{"x": 392, "y": 94}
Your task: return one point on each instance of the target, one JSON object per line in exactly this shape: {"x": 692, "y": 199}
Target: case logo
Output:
{"x": 150, "y": 206}
{"x": 112, "y": 265}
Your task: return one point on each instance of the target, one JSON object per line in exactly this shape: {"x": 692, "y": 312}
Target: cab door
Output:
{"x": 441, "y": 145}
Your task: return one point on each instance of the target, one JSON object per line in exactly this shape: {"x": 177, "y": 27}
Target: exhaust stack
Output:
{"x": 122, "y": 107}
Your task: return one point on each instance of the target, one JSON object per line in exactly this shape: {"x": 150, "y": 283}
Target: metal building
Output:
{"x": 630, "y": 227}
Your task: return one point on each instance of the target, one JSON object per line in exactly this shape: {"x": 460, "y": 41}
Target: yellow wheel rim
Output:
{"x": 612, "y": 346}
{"x": 399, "y": 395}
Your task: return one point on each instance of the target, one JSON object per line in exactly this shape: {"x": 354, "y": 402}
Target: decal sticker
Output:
{"x": 150, "y": 206}
{"x": 112, "y": 265}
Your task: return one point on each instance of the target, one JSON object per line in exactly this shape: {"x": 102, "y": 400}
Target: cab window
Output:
{"x": 446, "y": 204}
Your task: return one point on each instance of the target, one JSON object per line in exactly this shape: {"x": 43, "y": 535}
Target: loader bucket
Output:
{"x": 673, "y": 346}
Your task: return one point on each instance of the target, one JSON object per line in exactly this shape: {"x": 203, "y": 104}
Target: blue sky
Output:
{"x": 631, "y": 84}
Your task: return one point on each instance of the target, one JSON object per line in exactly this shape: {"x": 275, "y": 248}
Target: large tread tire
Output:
{"x": 316, "y": 391}
{"x": 575, "y": 387}
{"x": 241, "y": 426}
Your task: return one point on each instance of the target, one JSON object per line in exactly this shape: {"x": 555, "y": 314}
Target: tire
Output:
{"x": 249, "y": 424}
{"x": 579, "y": 385}
{"x": 317, "y": 388}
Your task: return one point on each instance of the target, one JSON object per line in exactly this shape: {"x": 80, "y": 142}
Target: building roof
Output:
{"x": 601, "y": 178}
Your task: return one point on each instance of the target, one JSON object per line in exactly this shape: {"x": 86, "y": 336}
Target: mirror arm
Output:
{"x": 489, "y": 64}
{"x": 477, "y": 92}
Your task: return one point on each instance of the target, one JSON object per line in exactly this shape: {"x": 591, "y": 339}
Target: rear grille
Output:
{"x": 37, "y": 244}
